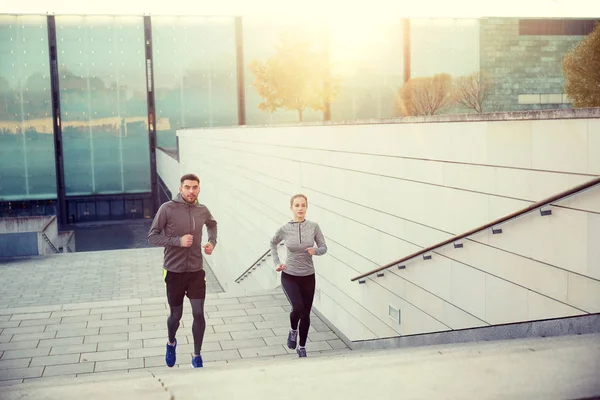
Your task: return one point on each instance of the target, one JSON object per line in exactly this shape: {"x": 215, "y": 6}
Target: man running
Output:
{"x": 177, "y": 227}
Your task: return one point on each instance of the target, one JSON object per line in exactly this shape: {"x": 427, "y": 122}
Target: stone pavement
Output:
{"x": 100, "y": 312}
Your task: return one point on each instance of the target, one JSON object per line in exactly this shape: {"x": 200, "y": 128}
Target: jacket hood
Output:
{"x": 179, "y": 199}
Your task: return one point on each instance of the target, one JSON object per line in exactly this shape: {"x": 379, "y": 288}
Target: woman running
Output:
{"x": 298, "y": 272}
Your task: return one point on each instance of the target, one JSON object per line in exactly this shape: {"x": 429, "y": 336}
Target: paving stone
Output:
{"x": 119, "y": 364}
{"x": 9, "y": 324}
{"x": 15, "y": 363}
{"x": 265, "y": 310}
{"x": 237, "y": 306}
{"x": 120, "y": 345}
{"x": 106, "y": 323}
{"x": 24, "y": 329}
{"x": 73, "y": 313}
{"x": 68, "y": 369}
{"x": 212, "y": 337}
{"x": 61, "y": 342}
{"x": 120, "y": 329}
{"x": 148, "y": 334}
{"x": 228, "y": 313}
{"x": 275, "y": 340}
{"x": 109, "y": 310}
{"x": 220, "y": 355}
{"x": 21, "y": 373}
{"x": 271, "y": 303}
{"x": 32, "y": 336}
{"x": 156, "y": 313}
{"x": 19, "y": 345}
{"x": 106, "y": 338}
{"x": 235, "y": 327}
{"x": 272, "y": 324}
{"x": 65, "y": 327}
{"x": 249, "y": 334}
{"x": 149, "y": 307}
{"x": 84, "y": 318}
{"x": 149, "y": 320}
{"x": 103, "y": 355}
{"x": 158, "y": 326}
{"x": 37, "y": 322}
{"x": 322, "y": 336}
{"x": 55, "y": 360}
{"x": 77, "y": 332}
{"x": 242, "y": 343}
{"x": 245, "y": 318}
{"x": 129, "y": 314}
{"x": 337, "y": 344}
{"x": 78, "y": 348}
{"x": 5, "y": 338}
{"x": 24, "y": 317}
{"x": 262, "y": 351}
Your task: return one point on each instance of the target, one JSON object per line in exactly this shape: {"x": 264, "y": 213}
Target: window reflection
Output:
{"x": 194, "y": 74}
{"x": 26, "y": 132}
{"x": 103, "y": 104}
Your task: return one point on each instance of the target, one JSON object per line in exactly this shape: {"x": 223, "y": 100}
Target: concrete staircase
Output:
{"x": 537, "y": 368}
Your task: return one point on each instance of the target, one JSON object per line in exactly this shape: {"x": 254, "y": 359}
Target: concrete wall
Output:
{"x": 169, "y": 171}
{"x": 18, "y": 244}
{"x": 383, "y": 191}
{"x": 19, "y": 231}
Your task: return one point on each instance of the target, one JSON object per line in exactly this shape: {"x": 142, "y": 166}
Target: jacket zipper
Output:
{"x": 187, "y": 259}
{"x": 299, "y": 233}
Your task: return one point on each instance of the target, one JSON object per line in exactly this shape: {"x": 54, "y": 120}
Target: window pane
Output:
{"x": 194, "y": 74}
{"x": 103, "y": 104}
{"x": 367, "y": 55}
{"x": 261, "y": 36}
{"x": 27, "y": 168}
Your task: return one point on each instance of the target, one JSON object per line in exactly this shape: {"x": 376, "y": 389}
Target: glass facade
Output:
{"x": 103, "y": 104}
{"x": 194, "y": 74}
{"x": 367, "y": 55}
{"x": 261, "y": 36}
{"x": 103, "y": 89}
{"x": 26, "y": 133}
{"x": 430, "y": 55}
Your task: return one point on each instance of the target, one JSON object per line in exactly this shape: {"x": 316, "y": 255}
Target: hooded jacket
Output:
{"x": 175, "y": 219}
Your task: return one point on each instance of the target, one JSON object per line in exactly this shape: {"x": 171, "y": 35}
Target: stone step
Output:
{"x": 545, "y": 368}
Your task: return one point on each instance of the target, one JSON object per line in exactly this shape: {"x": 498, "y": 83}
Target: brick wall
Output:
{"x": 523, "y": 65}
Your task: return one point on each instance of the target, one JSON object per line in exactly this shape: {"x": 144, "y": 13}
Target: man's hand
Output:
{"x": 187, "y": 240}
{"x": 208, "y": 248}
{"x": 280, "y": 267}
{"x": 311, "y": 251}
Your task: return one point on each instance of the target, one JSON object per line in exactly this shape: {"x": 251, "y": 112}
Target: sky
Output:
{"x": 365, "y": 9}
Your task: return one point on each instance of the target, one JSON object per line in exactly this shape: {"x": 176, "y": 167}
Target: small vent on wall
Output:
{"x": 394, "y": 313}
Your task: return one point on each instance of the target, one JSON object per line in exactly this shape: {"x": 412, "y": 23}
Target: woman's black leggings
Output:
{"x": 300, "y": 291}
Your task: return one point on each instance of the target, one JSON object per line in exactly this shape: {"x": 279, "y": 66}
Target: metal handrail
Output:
{"x": 498, "y": 221}
{"x": 261, "y": 258}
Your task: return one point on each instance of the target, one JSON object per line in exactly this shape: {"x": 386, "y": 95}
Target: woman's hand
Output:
{"x": 311, "y": 251}
{"x": 280, "y": 267}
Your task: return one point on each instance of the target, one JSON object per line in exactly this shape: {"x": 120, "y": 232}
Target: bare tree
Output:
{"x": 472, "y": 91}
{"x": 427, "y": 95}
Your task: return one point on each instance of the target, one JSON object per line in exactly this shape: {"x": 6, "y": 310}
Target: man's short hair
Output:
{"x": 189, "y": 177}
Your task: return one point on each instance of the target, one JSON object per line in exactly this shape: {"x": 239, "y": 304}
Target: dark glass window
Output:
{"x": 575, "y": 27}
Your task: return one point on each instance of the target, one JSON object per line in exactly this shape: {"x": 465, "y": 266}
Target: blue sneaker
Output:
{"x": 291, "y": 341}
{"x": 301, "y": 352}
{"x": 170, "y": 357}
{"x": 197, "y": 362}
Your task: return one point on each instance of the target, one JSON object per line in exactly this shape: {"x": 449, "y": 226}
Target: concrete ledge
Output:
{"x": 589, "y": 323}
{"x": 570, "y": 113}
